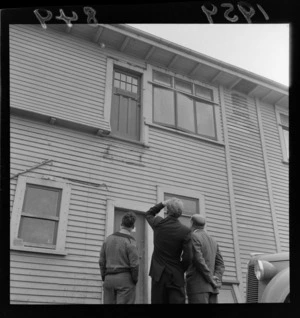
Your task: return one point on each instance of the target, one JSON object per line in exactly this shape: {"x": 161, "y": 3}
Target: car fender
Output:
{"x": 278, "y": 288}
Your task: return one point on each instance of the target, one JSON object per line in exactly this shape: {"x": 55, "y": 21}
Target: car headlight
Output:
{"x": 264, "y": 270}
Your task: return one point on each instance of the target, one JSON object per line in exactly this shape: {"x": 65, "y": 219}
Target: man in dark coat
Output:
{"x": 204, "y": 275}
{"x": 170, "y": 257}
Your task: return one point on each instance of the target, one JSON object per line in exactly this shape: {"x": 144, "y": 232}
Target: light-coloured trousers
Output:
{"x": 119, "y": 289}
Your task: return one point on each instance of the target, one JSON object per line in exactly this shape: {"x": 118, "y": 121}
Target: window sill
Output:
{"x": 230, "y": 281}
{"x": 38, "y": 250}
{"x": 137, "y": 143}
{"x": 182, "y": 133}
{"x": 286, "y": 162}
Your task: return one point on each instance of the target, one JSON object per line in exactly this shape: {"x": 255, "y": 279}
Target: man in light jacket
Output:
{"x": 119, "y": 264}
{"x": 204, "y": 275}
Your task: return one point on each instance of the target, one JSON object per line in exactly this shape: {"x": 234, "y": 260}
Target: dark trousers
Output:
{"x": 166, "y": 292}
{"x": 119, "y": 289}
{"x": 203, "y": 298}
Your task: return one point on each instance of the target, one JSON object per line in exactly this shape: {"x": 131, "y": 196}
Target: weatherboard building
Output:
{"x": 108, "y": 119}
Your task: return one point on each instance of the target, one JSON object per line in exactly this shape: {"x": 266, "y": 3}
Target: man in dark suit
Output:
{"x": 170, "y": 257}
{"x": 204, "y": 275}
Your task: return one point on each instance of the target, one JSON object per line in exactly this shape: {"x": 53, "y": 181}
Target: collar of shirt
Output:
{"x": 124, "y": 231}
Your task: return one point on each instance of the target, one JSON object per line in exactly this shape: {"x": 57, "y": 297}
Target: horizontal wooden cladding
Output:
{"x": 279, "y": 172}
{"x": 255, "y": 228}
{"x": 89, "y": 262}
{"x": 57, "y": 300}
{"x": 110, "y": 167}
{"x": 57, "y": 75}
{"x": 80, "y": 156}
{"x": 55, "y": 285}
{"x": 43, "y": 39}
{"x": 62, "y": 265}
{"x": 71, "y": 293}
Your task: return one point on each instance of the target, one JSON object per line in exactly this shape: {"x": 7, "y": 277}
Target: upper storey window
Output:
{"x": 183, "y": 105}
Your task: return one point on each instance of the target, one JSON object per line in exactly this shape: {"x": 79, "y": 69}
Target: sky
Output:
{"x": 259, "y": 48}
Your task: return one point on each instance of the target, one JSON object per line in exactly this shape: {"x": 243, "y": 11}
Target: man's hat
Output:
{"x": 197, "y": 219}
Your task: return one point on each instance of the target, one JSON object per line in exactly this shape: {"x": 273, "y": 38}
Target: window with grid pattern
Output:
{"x": 183, "y": 105}
{"x": 39, "y": 214}
{"x": 126, "y": 105}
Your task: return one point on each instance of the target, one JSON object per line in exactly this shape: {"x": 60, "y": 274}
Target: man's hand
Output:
{"x": 166, "y": 202}
{"x": 217, "y": 282}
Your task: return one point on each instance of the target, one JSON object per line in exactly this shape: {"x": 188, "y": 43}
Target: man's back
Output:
{"x": 171, "y": 240}
{"x": 206, "y": 262}
{"x": 208, "y": 247}
{"x": 118, "y": 254}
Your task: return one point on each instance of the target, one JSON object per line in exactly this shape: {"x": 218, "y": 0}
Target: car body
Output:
{"x": 268, "y": 278}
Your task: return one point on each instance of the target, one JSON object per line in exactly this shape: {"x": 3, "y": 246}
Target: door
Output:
{"x": 139, "y": 235}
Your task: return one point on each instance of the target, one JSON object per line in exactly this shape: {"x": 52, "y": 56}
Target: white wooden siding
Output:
{"x": 79, "y": 156}
{"x": 57, "y": 75}
{"x": 279, "y": 172}
{"x": 252, "y": 202}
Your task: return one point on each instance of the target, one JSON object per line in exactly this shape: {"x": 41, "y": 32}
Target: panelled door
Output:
{"x": 126, "y": 105}
{"x": 139, "y": 235}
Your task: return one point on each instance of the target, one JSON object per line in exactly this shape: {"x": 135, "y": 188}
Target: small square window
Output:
{"x": 162, "y": 78}
{"x": 39, "y": 215}
{"x": 204, "y": 92}
{"x": 183, "y": 85}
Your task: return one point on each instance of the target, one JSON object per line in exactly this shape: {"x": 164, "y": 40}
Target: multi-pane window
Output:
{"x": 39, "y": 214}
{"x": 183, "y": 105}
{"x": 283, "y": 126}
{"x": 126, "y": 105}
{"x": 191, "y": 206}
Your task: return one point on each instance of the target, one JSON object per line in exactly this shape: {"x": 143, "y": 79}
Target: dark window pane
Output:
{"x": 284, "y": 119}
{"x": 41, "y": 201}
{"x": 183, "y": 85}
{"x": 117, "y": 75}
{"x": 205, "y": 119}
{"x": 37, "y": 231}
{"x": 164, "y": 111}
{"x": 185, "y": 112}
{"x": 203, "y": 92}
{"x": 116, "y": 83}
{"x": 162, "y": 78}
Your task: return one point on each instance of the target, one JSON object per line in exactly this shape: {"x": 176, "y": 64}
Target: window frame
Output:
{"x": 17, "y": 243}
{"x": 162, "y": 189}
{"x": 195, "y": 98}
{"x": 281, "y": 127}
{"x": 143, "y": 72}
{"x": 125, "y": 93}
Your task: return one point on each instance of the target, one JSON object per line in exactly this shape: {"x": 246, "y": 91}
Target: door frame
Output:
{"x": 111, "y": 205}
